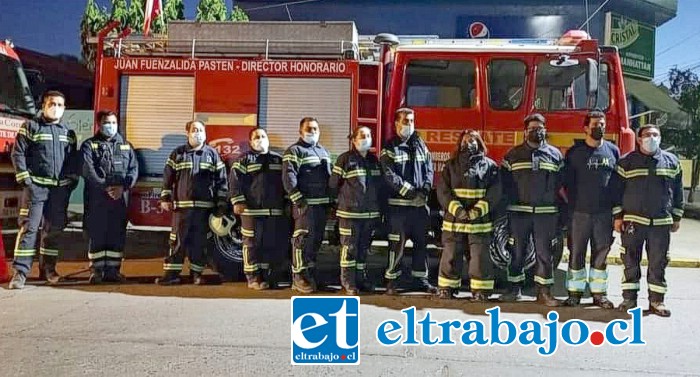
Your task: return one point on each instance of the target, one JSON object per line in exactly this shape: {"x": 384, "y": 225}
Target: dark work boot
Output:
{"x": 169, "y": 278}
{"x": 52, "y": 277}
{"x": 601, "y": 301}
{"x": 347, "y": 280}
{"x": 512, "y": 295}
{"x": 628, "y": 303}
{"x": 480, "y": 297}
{"x": 544, "y": 297}
{"x": 423, "y": 285}
{"x": 96, "y": 277}
{"x": 362, "y": 282}
{"x": 573, "y": 300}
{"x": 113, "y": 276}
{"x": 392, "y": 287}
{"x": 301, "y": 284}
{"x": 445, "y": 293}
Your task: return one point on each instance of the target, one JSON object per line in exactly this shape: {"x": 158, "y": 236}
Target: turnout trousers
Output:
{"x": 657, "y": 239}
{"x": 542, "y": 227}
{"x": 105, "y": 221}
{"x": 188, "y": 238}
{"x": 309, "y": 229}
{"x": 265, "y": 244}
{"x": 475, "y": 246}
{"x": 598, "y": 229}
{"x": 407, "y": 223}
{"x": 45, "y": 207}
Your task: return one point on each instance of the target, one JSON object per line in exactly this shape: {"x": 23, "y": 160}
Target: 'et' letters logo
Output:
{"x": 325, "y": 330}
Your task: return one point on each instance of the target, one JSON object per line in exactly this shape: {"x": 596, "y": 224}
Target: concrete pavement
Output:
{"x": 139, "y": 330}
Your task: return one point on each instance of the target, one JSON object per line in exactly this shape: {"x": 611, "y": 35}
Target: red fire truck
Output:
{"x": 16, "y": 106}
{"x": 234, "y": 76}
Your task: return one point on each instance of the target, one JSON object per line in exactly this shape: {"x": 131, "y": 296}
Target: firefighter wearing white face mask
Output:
{"x": 306, "y": 168}
{"x": 357, "y": 182}
{"x": 46, "y": 166}
{"x": 194, "y": 186}
{"x": 257, "y": 195}
{"x": 110, "y": 169}
{"x": 648, "y": 198}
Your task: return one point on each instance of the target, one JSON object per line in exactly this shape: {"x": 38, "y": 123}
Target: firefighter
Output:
{"x": 46, "y": 166}
{"x": 306, "y": 168}
{"x": 468, "y": 192}
{"x": 588, "y": 167}
{"x": 257, "y": 195}
{"x": 531, "y": 174}
{"x": 110, "y": 169}
{"x": 194, "y": 185}
{"x": 648, "y": 191}
{"x": 357, "y": 181}
{"x": 408, "y": 170}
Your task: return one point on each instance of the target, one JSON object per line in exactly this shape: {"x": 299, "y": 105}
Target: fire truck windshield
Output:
{"x": 561, "y": 88}
{"x": 15, "y": 95}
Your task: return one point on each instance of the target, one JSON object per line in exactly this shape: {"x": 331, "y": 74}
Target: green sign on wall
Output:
{"x": 635, "y": 41}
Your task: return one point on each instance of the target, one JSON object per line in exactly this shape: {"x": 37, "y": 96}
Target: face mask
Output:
{"x": 537, "y": 136}
{"x": 651, "y": 144}
{"x": 108, "y": 129}
{"x": 363, "y": 145}
{"x": 597, "y": 133}
{"x": 197, "y": 139}
{"x": 260, "y": 145}
{"x": 310, "y": 138}
{"x": 54, "y": 113}
{"x": 406, "y": 131}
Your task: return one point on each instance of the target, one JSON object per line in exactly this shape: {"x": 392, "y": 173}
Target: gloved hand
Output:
{"x": 410, "y": 194}
{"x": 462, "y": 215}
{"x": 166, "y": 206}
{"x": 300, "y": 207}
{"x": 221, "y": 209}
{"x": 238, "y": 208}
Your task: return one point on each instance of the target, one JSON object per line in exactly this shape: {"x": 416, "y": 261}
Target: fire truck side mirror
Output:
{"x": 592, "y": 76}
{"x": 386, "y": 39}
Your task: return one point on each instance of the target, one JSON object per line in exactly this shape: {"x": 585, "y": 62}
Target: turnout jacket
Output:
{"x": 587, "y": 173}
{"x": 306, "y": 169}
{"x": 408, "y": 169}
{"x": 357, "y": 182}
{"x": 45, "y": 154}
{"x": 469, "y": 184}
{"x": 109, "y": 162}
{"x": 194, "y": 178}
{"x": 648, "y": 189}
{"x": 256, "y": 181}
{"x": 532, "y": 178}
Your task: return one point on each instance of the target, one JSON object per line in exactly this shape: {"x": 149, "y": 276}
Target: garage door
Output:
{"x": 284, "y": 101}
{"x": 154, "y": 111}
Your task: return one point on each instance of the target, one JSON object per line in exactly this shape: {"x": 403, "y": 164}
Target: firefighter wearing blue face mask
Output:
{"x": 648, "y": 206}
{"x": 110, "y": 169}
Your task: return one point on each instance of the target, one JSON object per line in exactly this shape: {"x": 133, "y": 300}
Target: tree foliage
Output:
{"x": 211, "y": 10}
{"x": 684, "y": 132}
{"x": 120, "y": 12}
{"x": 93, "y": 20}
{"x": 238, "y": 15}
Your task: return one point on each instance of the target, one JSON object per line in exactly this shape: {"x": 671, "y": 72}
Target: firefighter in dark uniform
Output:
{"x": 649, "y": 206}
{"x": 46, "y": 166}
{"x": 469, "y": 191}
{"x": 306, "y": 168}
{"x": 588, "y": 167}
{"x": 358, "y": 183}
{"x": 408, "y": 170}
{"x": 531, "y": 176}
{"x": 110, "y": 169}
{"x": 194, "y": 186}
{"x": 257, "y": 195}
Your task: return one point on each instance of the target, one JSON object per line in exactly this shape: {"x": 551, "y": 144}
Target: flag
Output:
{"x": 153, "y": 10}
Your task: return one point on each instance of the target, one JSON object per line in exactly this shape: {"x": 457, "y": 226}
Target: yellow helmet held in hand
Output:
{"x": 221, "y": 226}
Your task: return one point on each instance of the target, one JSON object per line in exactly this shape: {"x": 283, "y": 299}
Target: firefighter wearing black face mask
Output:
{"x": 532, "y": 182}
{"x": 588, "y": 167}
{"x": 468, "y": 191}
{"x": 648, "y": 189}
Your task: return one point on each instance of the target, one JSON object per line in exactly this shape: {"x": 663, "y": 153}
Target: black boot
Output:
{"x": 480, "y": 297}
{"x": 197, "y": 278}
{"x": 392, "y": 287}
{"x": 169, "y": 278}
{"x": 112, "y": 275}
{"x": 52, "y": 277}
{"x": 256, "y": 282}
{"x": 544, "y": 297}
{"x": 96, "y": 277}
{"x": 347, "y": 280}
{"x": 601, "y": 301}
{"x": 628, "y": 303}
{"x": 512, "y": 295}
{"x": 363, "y": 283}
{"x": 573, "y": 300}
{"x": 659, "y": 309}
{"x": 301, "y": 284}
{"x": 423, "y": 285}
{"x": 445, "y": 293}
